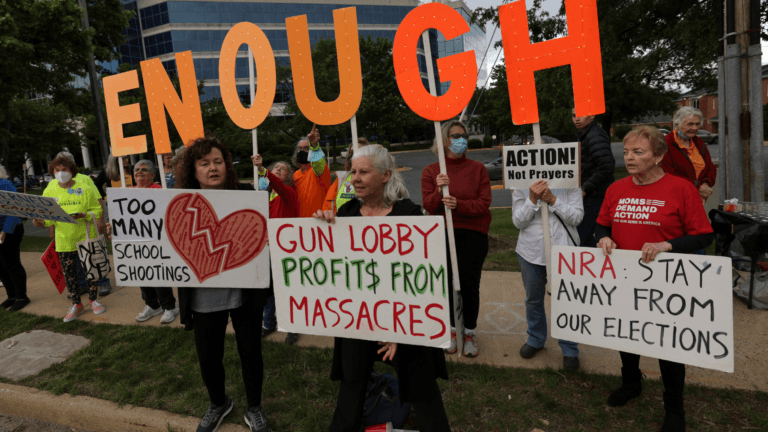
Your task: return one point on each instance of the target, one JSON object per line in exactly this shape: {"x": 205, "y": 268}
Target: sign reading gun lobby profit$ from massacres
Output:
{"x": 189, "y": 238}
{"x": 678, "y": 307}
{"x": 558, "y": 164}
{"x": 372, "y": 278}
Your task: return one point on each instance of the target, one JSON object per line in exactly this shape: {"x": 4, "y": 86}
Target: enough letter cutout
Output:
{"x": 580, "y": 49}
{"x": 460, "y": 69}
{"x": 251, "y": 35}
{"x": 161, "y": 96}
{"x": 117, "y": 116}
{"x": 350, "y": 73}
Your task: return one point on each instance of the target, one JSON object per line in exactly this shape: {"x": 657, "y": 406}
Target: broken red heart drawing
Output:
{"x": 208, "y": 245}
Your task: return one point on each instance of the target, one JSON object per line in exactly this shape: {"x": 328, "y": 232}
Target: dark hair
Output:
{"x": 64, "y": 161}
{"x": 198, "y": 149}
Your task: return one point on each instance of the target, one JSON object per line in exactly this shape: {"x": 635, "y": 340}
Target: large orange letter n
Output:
{"x": 580, "y": 49}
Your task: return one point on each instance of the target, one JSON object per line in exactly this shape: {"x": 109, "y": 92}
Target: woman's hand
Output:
{"x": 78, "y": 215}
{"x": 257, "y": 161}
{"x": 450, "y": 202}
{"x": 38, "y": 223}
{"x": 705, "y": 191}
{"x": 314, "y": 135}
{"x": 109, "y": 231}
{"x": 651, "y": 249}
{"x": 2, "y": 236}
{"x": 607, "y": 245}
{"x": 327, "y": 216}
{"x": 389, "y": 349}
{"x": 548, "y": 197}
{"x": 536, "y": 191}
{"x": 443, "y": 180}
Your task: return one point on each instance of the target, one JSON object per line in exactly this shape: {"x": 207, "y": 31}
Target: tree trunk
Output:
{"x": 4, "y": 153}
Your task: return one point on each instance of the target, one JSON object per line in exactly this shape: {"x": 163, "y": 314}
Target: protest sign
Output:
{"x": 558, "y": 164}
{"x": 32, "y": 206}
{"x": 678, "y": 307}
{"x": 51, "y": 262}
{"x": 190, "y": 238}
{"x": 372, "y": 278}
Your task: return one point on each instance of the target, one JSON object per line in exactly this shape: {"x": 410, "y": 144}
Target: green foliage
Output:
{"x": 621, "y": 131}
{"x": 488, "y": 141}
{"x": 475, "y": 143}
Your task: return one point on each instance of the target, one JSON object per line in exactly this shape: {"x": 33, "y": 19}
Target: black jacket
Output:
{"x": 597, "y": 161}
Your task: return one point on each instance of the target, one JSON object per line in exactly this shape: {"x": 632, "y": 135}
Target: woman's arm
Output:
{"x": 523, "y": 210}
{"x": 330, "y": 197}
{"x": 430, "y": 193}
{"x": 570, "y": 207}
{"x": 479, "y": 205}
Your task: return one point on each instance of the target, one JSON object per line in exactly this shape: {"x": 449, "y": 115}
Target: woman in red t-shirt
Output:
{"x": 677, "y": 224}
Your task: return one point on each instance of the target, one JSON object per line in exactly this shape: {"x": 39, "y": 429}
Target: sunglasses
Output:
{"x": 457, "y": 136}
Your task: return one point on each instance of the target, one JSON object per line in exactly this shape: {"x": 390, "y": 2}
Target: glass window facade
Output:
{"x": 154, "y": 16}
{"x": 159, "y": 44}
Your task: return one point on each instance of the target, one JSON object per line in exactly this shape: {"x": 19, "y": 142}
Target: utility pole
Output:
{"x": 95, "y": 89}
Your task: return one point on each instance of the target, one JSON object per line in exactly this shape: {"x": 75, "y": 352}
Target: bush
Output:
{"x": 475, "y": 143}
{"x": 488, "y": 141}
{"x": 621, "y": 131}
{"x": 385, "y": 144}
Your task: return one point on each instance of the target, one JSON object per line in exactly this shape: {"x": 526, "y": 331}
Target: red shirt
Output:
{"x": 470, "y": 185}
{"x": 286, "y": 203}
{"x": 661, "y": 211}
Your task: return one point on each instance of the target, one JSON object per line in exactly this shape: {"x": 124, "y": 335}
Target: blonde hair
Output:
{"x": 652, "y": 134}
{"x": 444, "y": 130}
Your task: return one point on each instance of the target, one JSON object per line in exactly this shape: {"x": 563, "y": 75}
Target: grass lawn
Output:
{"x": 157, "y": 368}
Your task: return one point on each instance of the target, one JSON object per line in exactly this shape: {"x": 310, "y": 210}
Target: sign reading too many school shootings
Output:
{"x": 678, "y": 307}
{"x": 372, "y": 278}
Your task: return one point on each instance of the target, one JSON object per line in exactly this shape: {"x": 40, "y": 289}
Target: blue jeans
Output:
{"x": 535, "y": 283}
{"x": 270, "y": 320}
{"x": 586, "y": 228}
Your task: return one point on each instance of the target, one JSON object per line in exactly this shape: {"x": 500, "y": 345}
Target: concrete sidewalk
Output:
{"x": 501, "y": 332}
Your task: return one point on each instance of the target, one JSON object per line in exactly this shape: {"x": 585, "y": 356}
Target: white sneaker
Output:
{"x": 454, "y": 346}
{"x": 169, "y": 316}
{"x": 148, "y": 313}
{"x": 97, "y": 308}
{"x": 470, "y": 345}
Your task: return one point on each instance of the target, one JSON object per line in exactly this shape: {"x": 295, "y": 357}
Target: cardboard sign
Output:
{"x": 190, "y": 238}
{"x": 558, "y": 164}
{"x": 32, "y": 206}
{"x": 678, "y": 307}
{"x": 372, "y": 278}
{"x": 52, "y": 263}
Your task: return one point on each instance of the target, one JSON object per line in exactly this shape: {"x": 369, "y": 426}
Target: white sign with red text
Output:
{"x": 678, "y": 307}
{"x": 374, "y": 278}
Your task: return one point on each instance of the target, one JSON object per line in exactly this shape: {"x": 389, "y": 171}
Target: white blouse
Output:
{"x": 527, "y": 218}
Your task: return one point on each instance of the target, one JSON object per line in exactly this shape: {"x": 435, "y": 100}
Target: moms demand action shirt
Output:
{"x": 661, "y": 211}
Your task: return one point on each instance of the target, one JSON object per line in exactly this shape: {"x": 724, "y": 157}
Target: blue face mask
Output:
{"x": 681, "y": 135}
{"x": 458, "y": 146}
{"x": 263, "y": 183}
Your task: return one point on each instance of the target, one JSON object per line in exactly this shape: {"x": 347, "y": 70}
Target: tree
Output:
{"x": 650, "y": 49}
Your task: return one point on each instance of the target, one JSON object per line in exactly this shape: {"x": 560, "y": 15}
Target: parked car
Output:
{"x": 495, "y": 169}
{"x": 707, "y": 137}
{"x": 31, "y": 182}
{"x": 344, "y": 153}
{"x": 665, "y": 132}
{"x": 47, "y": 177}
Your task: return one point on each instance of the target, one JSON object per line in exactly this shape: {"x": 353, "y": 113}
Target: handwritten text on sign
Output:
{"x": 677, "y": 307}
{"x": 558, "y": 164}
{"x": 189, "y": 238}
{"x": 373, "y": 278}
{"x": 32, "y": 206}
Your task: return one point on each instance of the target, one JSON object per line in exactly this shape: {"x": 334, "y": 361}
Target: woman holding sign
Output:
{"x": 79, "y": 201}
{"x": 470, "y": 203}
{"x": 380, "y": 191}
{"x": 207, "y": 164}
{"x": 677, "y": 223}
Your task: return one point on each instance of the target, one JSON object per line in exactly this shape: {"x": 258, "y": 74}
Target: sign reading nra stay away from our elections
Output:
{"x": 677, "y": 307}
{"x": 558, "y": 164}
{"x": 189, "y": 238}
{"x": 32, "y": 206}
{"x": 373, "y": 278}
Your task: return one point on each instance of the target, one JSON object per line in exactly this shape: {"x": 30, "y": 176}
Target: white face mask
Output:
{"x": 63, "y": 176}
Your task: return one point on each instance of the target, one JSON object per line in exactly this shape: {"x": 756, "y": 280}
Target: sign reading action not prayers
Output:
{"x": 32, "y": 206}
{"x": 373, "y": 278}
{"x": 558, "y": 164}
{"x": 678, "y": 307}
{"x": 189, "y": 238}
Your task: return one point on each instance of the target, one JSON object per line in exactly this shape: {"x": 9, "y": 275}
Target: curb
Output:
{"x": 93, "y": 414}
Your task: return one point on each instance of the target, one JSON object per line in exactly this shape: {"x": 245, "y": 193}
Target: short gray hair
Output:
{"x": 3, "y": 172}
{"x": 288, "y": 181}
{"x": 149, "y": 164}
{"x": 444, "y": 130}
{"x": 394, "y": 189}
{"x": 294, "y": 157}
{"x": 683, "y": 113}
{"x": 66, "y": 154}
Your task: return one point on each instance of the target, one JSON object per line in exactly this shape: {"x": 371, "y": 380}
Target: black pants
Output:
{"x": 158, "y": 297}
{"x": 210, "y": 329}
{"x": 12, "y": 273}
{"x": 471, "y": 250}
{"x": 348, "y": 416}
{"x": 672, "y": 374}
{"x": 586, "y": 228}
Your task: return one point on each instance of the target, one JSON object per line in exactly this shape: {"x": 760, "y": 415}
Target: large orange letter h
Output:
{"x": 580, "y": 49}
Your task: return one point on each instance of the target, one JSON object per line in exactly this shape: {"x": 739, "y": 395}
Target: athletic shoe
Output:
{"x": 19, "y": 304}
{"x": 527, "y": 351}
{"x": 470, "y": 346}
{"x": 97, "y": 308}
{"x": 454, "y": 345}
{"x": 267, "y": 331}
{"x": 292, "y": 338}
{"x": 570, "y": 363}
{"x": 215, "y": 414}
{"x": 256, "y": 419}
{"x": 169, "y": 315}
{"x": 148, "y": 313}
{"x": 7, "y": 303}
{"x": 74, "y": 312}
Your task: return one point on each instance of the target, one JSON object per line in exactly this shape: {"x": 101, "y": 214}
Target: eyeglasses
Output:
{"x": 141, "y": 170}
{"x": 304, "y": 149}
{"x": 457, "y": 136}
